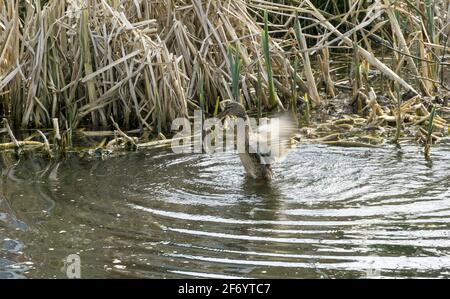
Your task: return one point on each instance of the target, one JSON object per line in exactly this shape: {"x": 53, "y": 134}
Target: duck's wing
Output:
{"x": 272, "y": 138}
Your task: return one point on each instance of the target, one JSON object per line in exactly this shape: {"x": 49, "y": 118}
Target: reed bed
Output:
{"x": 140, "y": 64}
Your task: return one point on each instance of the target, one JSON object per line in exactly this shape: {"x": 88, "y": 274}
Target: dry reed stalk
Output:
{"x": 136, "y": 61}
{"x": 10, "y": 133}
{"x": 21, "y": 144}
{"x": 312, "y": 87}
{"x": 324, "y": 63}
{"x": 46, "y": 143}
{"x": 56, "y": 132}
{"x": 140, "y": 62}
{"x": 403, "y": 47}
{"x": 364, "y": 53}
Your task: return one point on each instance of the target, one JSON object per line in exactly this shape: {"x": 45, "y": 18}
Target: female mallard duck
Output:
{"x": 272, "y": 141}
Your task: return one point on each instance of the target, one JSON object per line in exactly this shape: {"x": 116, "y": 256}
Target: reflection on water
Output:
{"x": 329, "y": 212}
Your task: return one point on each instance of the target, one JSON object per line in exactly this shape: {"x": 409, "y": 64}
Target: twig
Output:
{"x": 46, "y": 144}
{"x": 130, "y": 140}
{"x": 11, "y": 135}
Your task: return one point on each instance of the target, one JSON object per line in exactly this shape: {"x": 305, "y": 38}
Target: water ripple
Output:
{"x": 328, "y": 212}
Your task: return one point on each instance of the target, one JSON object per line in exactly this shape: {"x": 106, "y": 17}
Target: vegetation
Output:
{"x": 106, "y": 64}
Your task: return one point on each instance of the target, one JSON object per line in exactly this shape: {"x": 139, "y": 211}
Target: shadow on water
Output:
{"x": 328, "y": 212}
{"x": 268, "y": 193}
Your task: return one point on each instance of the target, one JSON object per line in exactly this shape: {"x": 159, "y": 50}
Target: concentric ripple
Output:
{"x": 329, "y": 212}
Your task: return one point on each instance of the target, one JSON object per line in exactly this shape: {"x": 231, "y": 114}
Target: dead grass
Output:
{"x": 138, "y": 64}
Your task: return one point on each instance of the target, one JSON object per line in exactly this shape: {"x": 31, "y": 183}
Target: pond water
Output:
{"x": 328, "y": 213}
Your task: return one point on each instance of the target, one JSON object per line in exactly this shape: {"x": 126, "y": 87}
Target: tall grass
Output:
{"x": 139, "y": 62}
{"x": 84, "y": 61}
{"x": 235, "y": 69}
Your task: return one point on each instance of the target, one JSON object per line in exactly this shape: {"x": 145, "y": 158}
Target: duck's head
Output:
{"x": 232, "y": 108}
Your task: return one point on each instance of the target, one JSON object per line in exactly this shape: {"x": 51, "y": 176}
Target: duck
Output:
{"x": 269, "y": 143}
